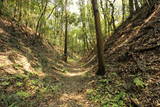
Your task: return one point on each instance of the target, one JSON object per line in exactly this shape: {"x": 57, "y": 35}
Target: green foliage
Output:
{"x": 106, "y": 81}
{"x": 71, "y": 59}
{"x": 51, "y": 25}
{"x": 92, "y": 95}
{"x": 107, "y": 100}
{"x": 64, "y": 70}
{"x": 18, "y": 90}
{"x": 5, "y": 83}
{"x": 107, "y": 91}
{"x": 138, "y": 82}
{"x": 9, "y": 100}
{"x": 20, "y": 76}
{"x": 1, "y": 5}
{"x": 19, "y": 84}
{"x": 23, "y": 94}
{"x": 17, "y": 66}
{"x": 115, "y": 101}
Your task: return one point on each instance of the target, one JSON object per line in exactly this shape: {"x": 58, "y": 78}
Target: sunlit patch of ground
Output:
{"x": 75, "y": 74}
{"x": 74, "y": 99}
{"x": 75, "y": 81}
{"x": 12, "y": 63}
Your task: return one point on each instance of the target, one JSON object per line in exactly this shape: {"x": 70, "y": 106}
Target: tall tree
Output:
{"x": 41, "y": 15}
{"x": 104, "y": 16}
{"x": 66, "y": 32}
{"x": 136, "y": 5}
{"x": 112, "y": 14}
{"x": 83, "y": 20}
{"x": 123, "y": 10}
{"x": 131, "y": 7}
{"x": 1, "y": 6}
{"x": 101, "y": 67}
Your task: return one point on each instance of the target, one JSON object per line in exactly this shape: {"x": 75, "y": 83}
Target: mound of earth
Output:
{"x": 20, "y": 46}
{"x": 134, "y": 50}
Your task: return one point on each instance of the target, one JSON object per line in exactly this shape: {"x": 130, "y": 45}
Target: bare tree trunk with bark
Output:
{"x": 101, "y": 67}
{"x": 123, "y": 10}
{"x": 131, "y": 8}
{"x": 66, "y": 32}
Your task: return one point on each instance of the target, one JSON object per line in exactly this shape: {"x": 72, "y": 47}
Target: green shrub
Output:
{"x": 138, "y": 82}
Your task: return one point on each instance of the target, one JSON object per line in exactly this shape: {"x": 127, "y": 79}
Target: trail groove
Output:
{"x": 74, "y": 84}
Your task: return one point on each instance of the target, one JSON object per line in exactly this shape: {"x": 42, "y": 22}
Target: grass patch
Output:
{"x": 23, "y": 94}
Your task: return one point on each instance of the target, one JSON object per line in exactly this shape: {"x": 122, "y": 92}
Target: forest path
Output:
{"x": 74, "y": 84}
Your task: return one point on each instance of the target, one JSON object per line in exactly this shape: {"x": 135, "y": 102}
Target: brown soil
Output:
{"x": 74, "y": 84}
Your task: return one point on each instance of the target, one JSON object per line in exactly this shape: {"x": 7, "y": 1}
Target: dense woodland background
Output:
{"x": 53, "y": 51}
{"x": 48, "y": 18}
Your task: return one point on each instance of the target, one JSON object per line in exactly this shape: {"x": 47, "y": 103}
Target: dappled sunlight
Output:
{"x": 14, "y": 63}
{"x": 73, "y": 96}
{"x": 71, "y": 100}
{"x": 124, "y": 39}
{"x": 74, "y": 83}
{"x": 1, "y": 30}
{"x": 4, "y": 60}
{"x": 69, "y": 74}
{"x": 74, "y": 70}
{"x": 75, "y": 53}
{"x": 74, "y": 99}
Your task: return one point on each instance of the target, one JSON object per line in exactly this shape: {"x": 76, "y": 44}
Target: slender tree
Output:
{"x": 1, "y": 5}
{"x": 104, "y": 16}
{"x": 101, "y": 67}
{"x": 131, "y": 7}
{"x": 83, "y": 20}
{"x": 66, "y": 32}
{"x": 136, "y": 5}
{"x": 112, "y": 14}
{"x": 123, "y": 10}
{"x": 41, "y": 15}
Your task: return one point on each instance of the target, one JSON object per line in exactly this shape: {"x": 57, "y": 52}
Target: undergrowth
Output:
{"x": 25, "y": 90}
{"x": 111, "y": 91}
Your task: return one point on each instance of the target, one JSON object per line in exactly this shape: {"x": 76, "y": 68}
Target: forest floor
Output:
{"x": 31, "y": 75}
{"x": 75, "y": 82}
{"x": 66, "y": 88}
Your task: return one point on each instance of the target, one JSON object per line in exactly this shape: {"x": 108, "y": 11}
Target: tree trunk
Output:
{"x": 112, "y": 15}
{"x": 83, "y": 18}
{"x": 136, "y": 5}
{"x": 131, "y": 8}
{"x": 101, "y": 67}
{"x": 66, "y": 32}
{"x": 1, "y": 6}
{"x": 105, "y": 17}
{"x": 123, "y": 10}
{"x": 108, "y": 18}
{"x": 20, "y": 11}
{"x": 43, "y": 12}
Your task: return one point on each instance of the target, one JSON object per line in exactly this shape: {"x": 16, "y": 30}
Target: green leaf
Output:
{"x": 138, "y": 82}
{"x": 5, "y": 83}
{"x": 23, "y": 94}
{"x": 19, "y": 84}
